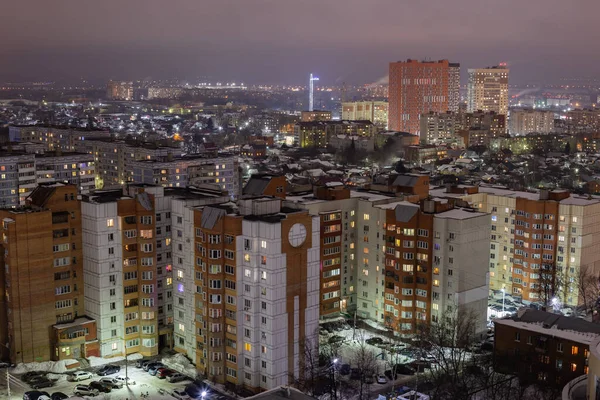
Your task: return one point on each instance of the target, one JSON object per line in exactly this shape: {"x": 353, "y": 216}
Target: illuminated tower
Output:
{"x": 310, "y": 92}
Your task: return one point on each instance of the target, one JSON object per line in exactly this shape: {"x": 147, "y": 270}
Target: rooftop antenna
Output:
{"x": 310, "y": 92}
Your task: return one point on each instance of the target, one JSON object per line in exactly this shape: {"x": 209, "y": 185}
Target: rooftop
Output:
{"x": 556, "y": 325}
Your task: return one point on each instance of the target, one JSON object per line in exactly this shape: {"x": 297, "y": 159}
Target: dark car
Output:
{"x": 162, "y": 373}
{"x": 59, "y": 396}
{"x": 36, "y": 378}
{"x": 42, "y": 383}
{"x": 109, "y": 370}
{"x": 26, "y": 377}
{"x": 345, "y": 369}
{"x": 34, "y": 394}
{"x": 101, "y": 387}
{"x": 355, "y": 373}
{"x": 404, "y": 369}
{"x": 388, "y": 374}
{"x": 374, "y": 341}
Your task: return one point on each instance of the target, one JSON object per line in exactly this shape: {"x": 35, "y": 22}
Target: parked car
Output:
{"x": 355, "y": 373}
{"x": 162, "y": 373}
{"x": 116, "y": 384}
{"x": 374, "y": 341}
{"x": 180, "y": 394}
{"x": 147, "y": 366}
{"x": 140, "y": 363}
{"x": 404, "y": 369}
{"x": 85, "y": 390}
{"x": 369, "y": 380}
{"x": 27, "y": 376}
{"x": 381, "y": 379}
{"x": 154, "y": 369}
{"x": 42, "y": 383}
{"x": 34, "y": 395}
{"x": 80, "y": 376}
{"x": 59, "y": 396}
{"x": 102, "y": 387}
{"x": 388, "y": 374}
{"x": 177, "y": 377}
{"x": 109, "y": 370}
{"x": 345, "y": 369}
{"x": 125, "y": 380}
{"x": 36, "y": 379}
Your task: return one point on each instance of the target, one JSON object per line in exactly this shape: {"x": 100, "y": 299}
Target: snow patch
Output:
{"x": 98, "y": 361}
{"x": 57, "y": 367}
{"x": 180, "y": 363}
{"x": 57, "y": 377}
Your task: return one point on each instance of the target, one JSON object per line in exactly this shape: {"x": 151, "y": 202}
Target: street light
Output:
{"x": 203, "y": 394}
{"x": 503, "y": 293}
{"x": 333, "y": 367}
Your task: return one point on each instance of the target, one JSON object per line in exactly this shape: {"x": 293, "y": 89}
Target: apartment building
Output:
{"x": 119, "y": 90}
{"x": 21, "y": 172}
{"x": 439, "y": 128}
{"x": 487, "y": 89}
{"x": 42, "y": 274}
{"x": 193, "y": 170}
{"x": 418, "y": 87}
{"x": 55, "y": 137}
{"x": 539, "y": 241}
{"x": 318, "y": 133}
{"x": 119, "y": 266}
{"x": 374, "y": 111}
{"x": 545, "y": 347}
{"x": 523, "y": 122}
{"x": 311, "y": 116}
{"x": 248, "y": 285}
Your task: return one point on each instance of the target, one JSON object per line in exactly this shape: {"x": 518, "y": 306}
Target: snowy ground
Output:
{"x": 145, "y": 383}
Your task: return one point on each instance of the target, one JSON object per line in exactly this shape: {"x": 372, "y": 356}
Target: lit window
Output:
{"x": 110, "y": 222}
{"x": 263, "y": 244}
{"x": 574, "y": 350}
{"x": 574, "y": 221}
{"x": 366, "y": 217}
{"x": 182, "y": 327}
{"x": 247, "y": 347}
{"x": 115, "y": 346}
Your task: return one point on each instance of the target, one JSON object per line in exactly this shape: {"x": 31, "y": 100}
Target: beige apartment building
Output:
{"x": 487, "y": 90}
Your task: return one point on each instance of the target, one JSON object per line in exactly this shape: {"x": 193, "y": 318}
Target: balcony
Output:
{"x": 576, "y": 389}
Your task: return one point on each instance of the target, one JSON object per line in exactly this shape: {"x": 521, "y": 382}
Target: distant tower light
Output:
{"x": 310, "y": 92}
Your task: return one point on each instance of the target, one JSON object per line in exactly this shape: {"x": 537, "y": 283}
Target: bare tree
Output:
{"x": 364, "y": 359}
{"x": 309, "y": 369}
{"x": 588, "y": 285}
{"x": 550, "y": 284}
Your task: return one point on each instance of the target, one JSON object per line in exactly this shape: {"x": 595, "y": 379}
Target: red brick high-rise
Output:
{"x": 418, "y": 87}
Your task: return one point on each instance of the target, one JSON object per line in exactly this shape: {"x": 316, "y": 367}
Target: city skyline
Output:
{"x": 193, "y": 40}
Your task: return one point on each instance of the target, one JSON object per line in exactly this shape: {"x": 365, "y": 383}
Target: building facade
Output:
{"x": 119, "y": 90}
{"x": 418, "y": 87}
{"x": 43, "y": 277}
{"x": 374, "y": 111}
{"x": 523, "y": 122}
{"x": 487, "y": 90}
{"x": 255, "y": 291}
{"x": 539, "y": 241}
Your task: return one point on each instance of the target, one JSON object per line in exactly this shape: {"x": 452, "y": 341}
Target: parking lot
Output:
{"x": 146, "y": 386}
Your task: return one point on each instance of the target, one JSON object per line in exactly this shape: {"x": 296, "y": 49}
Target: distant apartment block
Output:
{"x": 418, "y": 87}
{"x": 119, "y": 90}
{"x": 523, "y": 122}
{"x": 318, "y": 133}
{"x": 487, "y": 90}
{"x": 311, "y": 116}
{"x": 374, "y": 111}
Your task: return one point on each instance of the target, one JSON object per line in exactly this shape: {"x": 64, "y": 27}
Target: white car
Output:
{"x": 180, "y": 394}
{"x": 81, "y": 376}
{"x": 381, "y": 379}
{"x": 115, "y": 383}
{"x": 124, "y": 380}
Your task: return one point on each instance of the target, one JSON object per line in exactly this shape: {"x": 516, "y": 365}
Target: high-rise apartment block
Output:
{"x": 487, "y": 90}
{"x": 539, "y": 241}
{"x": 42, "y": 274}
{"x": 398, "y": 259}
{"x": 439, "y": 127}
{"x": 374, "y": 111}
{"x": 454, "y": 87}
{"x": 523, "y": 122}
{"x": 311, "y": 116}
{"x": 418, "y": 87}
{"x": 119, "y": 90}
{"x": 248, "y": 283}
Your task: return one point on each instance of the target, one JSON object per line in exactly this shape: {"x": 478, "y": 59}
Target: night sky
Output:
{"x": 281, "y": 41}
